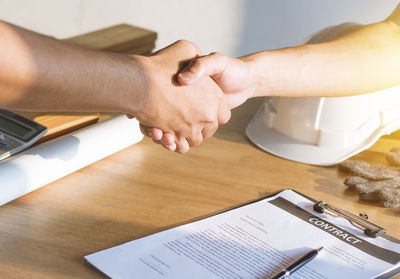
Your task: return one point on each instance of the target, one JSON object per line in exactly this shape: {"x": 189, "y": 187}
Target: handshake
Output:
{"x": 186, "y": 95}
{"x": 179, "y": 96}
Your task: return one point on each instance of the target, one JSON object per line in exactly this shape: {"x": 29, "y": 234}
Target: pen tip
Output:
{"x": 319, "y": 249}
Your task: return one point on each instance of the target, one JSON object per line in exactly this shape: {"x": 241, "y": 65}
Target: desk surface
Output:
{"x": 144, "y": 189}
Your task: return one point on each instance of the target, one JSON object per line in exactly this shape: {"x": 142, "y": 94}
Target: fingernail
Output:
{"x": 158, "y": 135}
{"x": 172, "y": 147}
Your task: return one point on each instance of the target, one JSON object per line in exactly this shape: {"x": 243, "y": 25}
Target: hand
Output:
{"x": 234, "y": 76}
{"x": 188, "y": 114}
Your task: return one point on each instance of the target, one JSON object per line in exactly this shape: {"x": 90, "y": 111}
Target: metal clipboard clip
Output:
{"x": 360, "y": 222}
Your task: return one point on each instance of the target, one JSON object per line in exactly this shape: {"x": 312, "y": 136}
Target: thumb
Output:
{"x": 209, "y": 65}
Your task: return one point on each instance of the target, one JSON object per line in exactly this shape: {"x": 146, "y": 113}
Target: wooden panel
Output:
{"x": 141, "y": 49}
{"x": 144, "y": 189}
{"x": 115, "y": 38}
{"x": 59, "y": 123}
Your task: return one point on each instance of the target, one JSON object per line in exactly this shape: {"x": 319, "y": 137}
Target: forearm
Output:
{"x": 41, "y": 73}
{"x": 363, "y": 61}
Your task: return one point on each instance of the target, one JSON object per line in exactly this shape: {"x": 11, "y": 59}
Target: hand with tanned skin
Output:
{"x": 39, "y": 73}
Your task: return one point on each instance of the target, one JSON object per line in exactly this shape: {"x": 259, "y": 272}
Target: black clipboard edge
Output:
{"x": 387, "y": 237}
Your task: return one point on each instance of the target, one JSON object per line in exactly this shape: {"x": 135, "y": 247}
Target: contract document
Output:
{"x": 256, "y": 240}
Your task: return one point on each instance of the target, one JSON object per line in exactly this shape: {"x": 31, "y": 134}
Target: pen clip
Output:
{"x": 370, "y": 229}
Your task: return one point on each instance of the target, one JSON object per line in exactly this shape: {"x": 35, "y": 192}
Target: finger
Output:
{"x": 167, "y": 139}
{"x": 130, "y": 116}
{"x": 209, "y": 130}
{"x": 171, "y": 147}
{"x": 182, "y": 146}
{"x": 209, "y": 65}
{"x": 224, "y": 113}
{"x": 145, "y": 130}
{"x": 156, "y": 134}
{"x": 196, "y": 139}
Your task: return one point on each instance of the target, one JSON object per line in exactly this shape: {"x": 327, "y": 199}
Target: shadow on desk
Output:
{"x": 234, "y": 130}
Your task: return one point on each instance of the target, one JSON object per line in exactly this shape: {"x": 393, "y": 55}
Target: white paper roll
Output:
{"x": 52, "y": 160}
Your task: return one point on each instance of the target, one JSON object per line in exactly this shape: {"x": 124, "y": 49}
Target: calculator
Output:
{"x": 17, "y": 133}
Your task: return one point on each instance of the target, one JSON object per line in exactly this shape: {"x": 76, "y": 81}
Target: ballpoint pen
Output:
{"x": 285, "y": 273}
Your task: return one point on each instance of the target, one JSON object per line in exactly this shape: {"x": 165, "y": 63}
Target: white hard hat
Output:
{"x": 324, "y": 131}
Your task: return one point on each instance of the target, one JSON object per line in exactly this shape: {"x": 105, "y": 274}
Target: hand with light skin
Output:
{"x": 365, "y": 60}
{"x": 233, "y": 76}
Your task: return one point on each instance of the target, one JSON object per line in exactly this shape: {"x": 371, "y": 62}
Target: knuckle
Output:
{"x": 190, "y": 127}
{"x": 225, "y": 118}
{"x": 195, "y": 140}
{"x": 182, "y": 149}
{"x": 198, "y": 64}
{"x": 182, "y": 42}
{"x": 209, "y": 130}
{"x": 219, "y": 58}
{"x": 188, "y": 44}
{"x": 197, "y": 49}
{"x": 216, "y": 54}
{"x": 182, "y": 146}
{"x": 210, "y": 117}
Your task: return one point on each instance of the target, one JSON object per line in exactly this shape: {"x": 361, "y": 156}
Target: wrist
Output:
{"x": 263, "y": 71}
{"x": 245, "y": 73}
{"x": 147, "y": 88}
{"x": 132, "y": 96}
{"x": 256, "y": 74}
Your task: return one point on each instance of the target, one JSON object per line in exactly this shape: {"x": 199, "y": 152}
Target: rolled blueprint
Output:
{"x": 52, "y": 160}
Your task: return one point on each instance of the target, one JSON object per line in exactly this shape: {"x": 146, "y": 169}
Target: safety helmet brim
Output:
{"x": 289, "y": 148}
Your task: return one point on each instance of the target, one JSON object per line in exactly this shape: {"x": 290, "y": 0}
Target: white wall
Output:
{"x": 212, "y": 24}
{"x": 270, "y": 24}
{"x": 234, "y": 27}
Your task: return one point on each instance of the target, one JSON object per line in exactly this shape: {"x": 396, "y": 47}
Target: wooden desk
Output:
{"x": 145, "y": 189}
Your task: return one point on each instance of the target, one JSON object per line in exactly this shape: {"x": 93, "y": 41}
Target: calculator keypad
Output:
{"x": 4, "y": 145}
{"x": 7, "y": 143}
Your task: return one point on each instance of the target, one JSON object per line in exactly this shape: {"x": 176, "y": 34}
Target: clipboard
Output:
{"x": 142, "y": 256}
{"x": 361, "y": 222}
{"x": 358, "y": 221}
